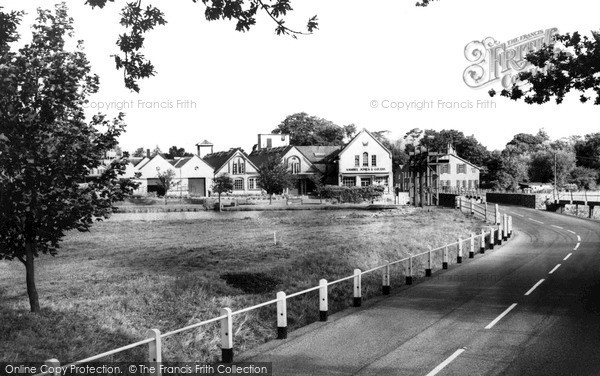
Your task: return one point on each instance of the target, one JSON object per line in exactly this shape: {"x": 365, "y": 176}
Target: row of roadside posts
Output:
{"x": 499, "y": 232}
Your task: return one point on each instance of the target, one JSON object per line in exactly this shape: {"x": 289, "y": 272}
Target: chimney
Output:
{"x": 148, "y": 153}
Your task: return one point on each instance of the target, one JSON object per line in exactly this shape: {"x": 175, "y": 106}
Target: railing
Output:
{"x": 484, "y": 240}
{"x": 584, "y": 196}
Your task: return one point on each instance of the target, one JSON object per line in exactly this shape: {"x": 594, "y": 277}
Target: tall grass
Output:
{"x": 108, "y": 286}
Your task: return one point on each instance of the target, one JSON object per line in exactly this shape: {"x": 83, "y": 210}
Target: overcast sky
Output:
{"x": 365, "y": 51}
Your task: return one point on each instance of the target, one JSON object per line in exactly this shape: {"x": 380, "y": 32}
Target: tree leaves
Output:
{"x": 572, "y": 63}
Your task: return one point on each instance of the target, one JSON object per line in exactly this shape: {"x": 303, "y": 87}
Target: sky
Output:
{"x": 381, "y": 65}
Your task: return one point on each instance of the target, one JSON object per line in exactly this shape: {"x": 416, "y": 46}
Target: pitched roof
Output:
{"x": 260, "y": 156}
{"x": 181, "y": 161}
{"x": 205, "y": 142}
{"x": 320, "y": 154}
{"x": 218, "y": 159}
{"x": 370, "y": 134}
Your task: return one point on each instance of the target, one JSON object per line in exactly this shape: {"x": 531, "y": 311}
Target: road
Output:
{"x": 513, "y": 311}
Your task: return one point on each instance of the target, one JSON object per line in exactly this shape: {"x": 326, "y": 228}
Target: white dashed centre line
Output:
{"x": 556, "y": 226}
{"x": 567, "y": 256}
{"x": 578, "y": 238}
{"x": 506, "y": 311}
{"x": 446, "y": 362}
{"x": 535, "y": 220}
{"x": 520, "y": 215}
{"x": 572, "y": 232}
{"x": 534, "y": 287}
{"x": 553, "y": 270}
{"x": 576, "y": 246}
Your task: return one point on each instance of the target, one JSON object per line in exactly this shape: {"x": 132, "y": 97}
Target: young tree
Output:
{"x": 47, "y": 149}
{"x": 274, "y": 177}
{"x": 222, "y": 184}
{"x": 319, "y": 184}
{"x": 166, "y": 181}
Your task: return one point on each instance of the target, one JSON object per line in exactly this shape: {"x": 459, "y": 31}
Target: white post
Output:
{"x": 53, "y": 365}
{"x": 226, "y": 336}
{"x": 459, "y": 254}
{"x": 492, "y": 238}
{"x": 357, "y": 288}
{"x": 281, "y": 315}
{"x": 323, "y": 300}
{"x": 510, "y": 228}
{"x": 429, "y": 263}
{"x": 154, "y": 351}
{"x": 499, "y": 237}
{"x": 471, "y": 206}
{"x": 409, "y": 271}
{"x": 486, "y": 210}
{"x": 504, "y": 227}
{"x": 497, "y": 214}
{"x": 385, "y": 279}
{"x": 457, "y": 202}
{"x": 445, "y": 258}
{"x": 472, "y": 246}
{"x": 275, "y": 237}
{"x": 482, "y": 243}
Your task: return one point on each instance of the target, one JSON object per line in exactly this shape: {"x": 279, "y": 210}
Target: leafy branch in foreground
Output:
{"x": 139, "y": 20}
{"x": 559, "y": 69}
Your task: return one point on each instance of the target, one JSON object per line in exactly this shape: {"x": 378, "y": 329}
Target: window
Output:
{"x": 374, "y": 160}
{"x": 445, "y": 169}
{"x": 294, "y": 163}
{"x": 475, "y": 183}
{"x": 470, "y": 184}
{"x": 269, "y": 143}
{"x": 356, "y": 160}
{"x": 461, "y": 168}
{"x": 365, "y": 159}
{"x": 349, "y": 181}
{"x": 238, "y": 166}
{"x": 238, "y": 185}
{"x": 365, "y": 182}
{"x": 252, "y": 183}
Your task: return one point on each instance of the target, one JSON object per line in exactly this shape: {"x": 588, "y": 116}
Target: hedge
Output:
{"x": 353, "y": 194}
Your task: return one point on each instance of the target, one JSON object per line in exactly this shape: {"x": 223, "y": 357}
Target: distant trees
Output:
{"x": 175, "y": 152}
{"x": 274, "y": 177}
{"x": 306, "y": 130}
{"x": 139, "y": 152}
{"x": 222, "y": 184}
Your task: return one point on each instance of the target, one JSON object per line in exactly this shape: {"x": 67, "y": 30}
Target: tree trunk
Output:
{"x": 34, "y": 302}
{"x": 270, "y": 199}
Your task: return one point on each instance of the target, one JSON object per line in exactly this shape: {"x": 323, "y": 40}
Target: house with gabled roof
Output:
{"x": 194, "y": 175}
{"x": 237, "y": 164}
{"x": 364, "y": 161}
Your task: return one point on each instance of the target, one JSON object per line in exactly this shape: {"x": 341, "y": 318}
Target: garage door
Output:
{"x": 197, "y": 187}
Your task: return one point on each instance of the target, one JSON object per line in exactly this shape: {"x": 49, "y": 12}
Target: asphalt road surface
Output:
{"x": 531, "y": 307}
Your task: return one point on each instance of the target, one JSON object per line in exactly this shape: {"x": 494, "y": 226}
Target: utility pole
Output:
{"x": 555, "y": 179}
{"x": 421, "y": 170}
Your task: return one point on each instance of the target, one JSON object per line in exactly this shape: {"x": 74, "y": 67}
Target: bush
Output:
{"x": 353, "y": 194}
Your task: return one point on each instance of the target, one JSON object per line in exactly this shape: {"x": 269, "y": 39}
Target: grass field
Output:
{"x": 107, "y": 287}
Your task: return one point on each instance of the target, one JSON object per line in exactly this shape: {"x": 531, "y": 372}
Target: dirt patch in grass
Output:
{"x": 251, "y": 283}
{"x": 106, "y": 288}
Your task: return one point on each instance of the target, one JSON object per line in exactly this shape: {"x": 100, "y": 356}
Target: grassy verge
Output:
{"x": 107, "y": 287}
